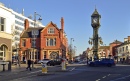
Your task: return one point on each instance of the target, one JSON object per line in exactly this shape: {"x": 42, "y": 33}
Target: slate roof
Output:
{"x": 27, "y": 33}
{"x": 116, "y": 42}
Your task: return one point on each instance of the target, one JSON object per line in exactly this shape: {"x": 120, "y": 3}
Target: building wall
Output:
{"x": 9, "y": 19}
{"x": 45, "y": 35}
{"x": 5, "y": 39}
{"x": 59, "y": 49}
{"x": 12, "y": 26}
{"x": 123, "y": 50}
{"x": 49, "y": 49}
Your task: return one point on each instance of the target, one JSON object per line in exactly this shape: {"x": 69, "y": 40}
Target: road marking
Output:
{"x": 108, "y": 74}
{"x": 35, "y": 72}
{"x": 121, "y": 78}
{"x": 104, "y": 77}
{"x": 98, "y": 79}
{"x": 72, "y": 69}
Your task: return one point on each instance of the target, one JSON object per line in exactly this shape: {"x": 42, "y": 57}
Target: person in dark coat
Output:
{"x": 29, "y": 64}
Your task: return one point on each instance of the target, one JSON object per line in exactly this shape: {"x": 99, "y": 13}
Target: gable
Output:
{"x": 51, "y": 25}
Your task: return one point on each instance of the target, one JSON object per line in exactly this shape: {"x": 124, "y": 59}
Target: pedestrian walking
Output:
{"x": 29, "y": 64}
{"x": 123, "y": 60}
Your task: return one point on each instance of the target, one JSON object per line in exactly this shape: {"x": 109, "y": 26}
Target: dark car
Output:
{"x": 53, "y": 62}
{"x": 102, "y": 62}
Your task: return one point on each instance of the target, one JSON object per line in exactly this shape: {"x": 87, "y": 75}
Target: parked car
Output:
{"x": 53, "y": 62}
{"x": 102, "y": 62}
{"x": 44, "y": 61}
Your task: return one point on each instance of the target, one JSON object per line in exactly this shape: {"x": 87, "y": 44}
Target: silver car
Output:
{"x": 43, "y": 61}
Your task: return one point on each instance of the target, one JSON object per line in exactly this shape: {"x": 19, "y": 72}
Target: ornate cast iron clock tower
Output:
{"x": 95, "y": 23}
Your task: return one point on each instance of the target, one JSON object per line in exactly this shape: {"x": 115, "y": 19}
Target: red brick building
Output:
{"x": 43, "y": 42}
{"x": 113, "y": 46}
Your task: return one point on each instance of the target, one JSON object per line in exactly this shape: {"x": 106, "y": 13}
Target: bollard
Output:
{"x": 63, "y": 64}
{"x": 44, "y": 68}
{"x": 9, "y": 65}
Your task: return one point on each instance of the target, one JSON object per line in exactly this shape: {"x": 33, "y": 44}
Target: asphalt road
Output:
{"x": 75, "y": 72}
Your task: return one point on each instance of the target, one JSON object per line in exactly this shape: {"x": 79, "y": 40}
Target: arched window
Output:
{"x": 3, "y": 50}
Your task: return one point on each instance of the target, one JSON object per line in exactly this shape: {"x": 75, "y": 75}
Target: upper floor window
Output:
{"x": 2, "y": 24}
{"x": 19, "y": 23}
{"x": 119, "y": 49}
{"x": 18, "y": 17}
{"x": 123, "y": 49}
{"x": 18, "y": 28}
{"x": 33, "y": 43}
{"x": 51, "y": 31}
{"x": 126, "y": 48}
{"x": 24, "y": 42}
{"x": 51, "y": 42}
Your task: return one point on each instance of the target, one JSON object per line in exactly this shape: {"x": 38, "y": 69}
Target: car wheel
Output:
{"x": 109, "y": 65}
{"x": 48, "y": 64}
{"x": 92, "y": 64}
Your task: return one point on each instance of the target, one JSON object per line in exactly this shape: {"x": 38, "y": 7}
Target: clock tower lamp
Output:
{"x": 95, "y": 23}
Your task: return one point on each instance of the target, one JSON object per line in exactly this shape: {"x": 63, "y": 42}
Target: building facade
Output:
{"x": 104, "y": 52}
{"x": 5, "y": 35}
{"x": 113, "y": 49}
{"x": 123, "y": 50}
{"x": 47, "y": 42}
{"x": 14, "y": 24}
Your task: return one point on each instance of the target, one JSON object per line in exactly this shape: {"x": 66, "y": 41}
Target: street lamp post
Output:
{"x": 105, "y": 49}
{"x": 72, "y": 39}
{"x": 95, "y": 23}
{"x": 18, "y": 57}
{"x": 116, "y": 51}
{"x": 34, "y": 36}
{"x": 75, "y": 50}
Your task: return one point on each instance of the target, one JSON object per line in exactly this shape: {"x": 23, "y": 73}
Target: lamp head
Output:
{"x": 40, "y": 19}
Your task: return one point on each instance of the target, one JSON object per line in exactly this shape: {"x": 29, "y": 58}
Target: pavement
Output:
{"x": 16, "y": 68}
{"x": 22, "y": 68}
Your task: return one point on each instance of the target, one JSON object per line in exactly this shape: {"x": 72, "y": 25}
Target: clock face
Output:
{"x": 95, "y": 20}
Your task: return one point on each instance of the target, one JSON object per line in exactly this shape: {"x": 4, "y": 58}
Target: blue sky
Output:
{"x": 115, "y": 17}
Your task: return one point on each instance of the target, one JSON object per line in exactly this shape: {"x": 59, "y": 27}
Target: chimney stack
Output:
{"x": 62, "y": 23}
{"x": 128, "y": 38}
{"x": 26, "y": 24}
